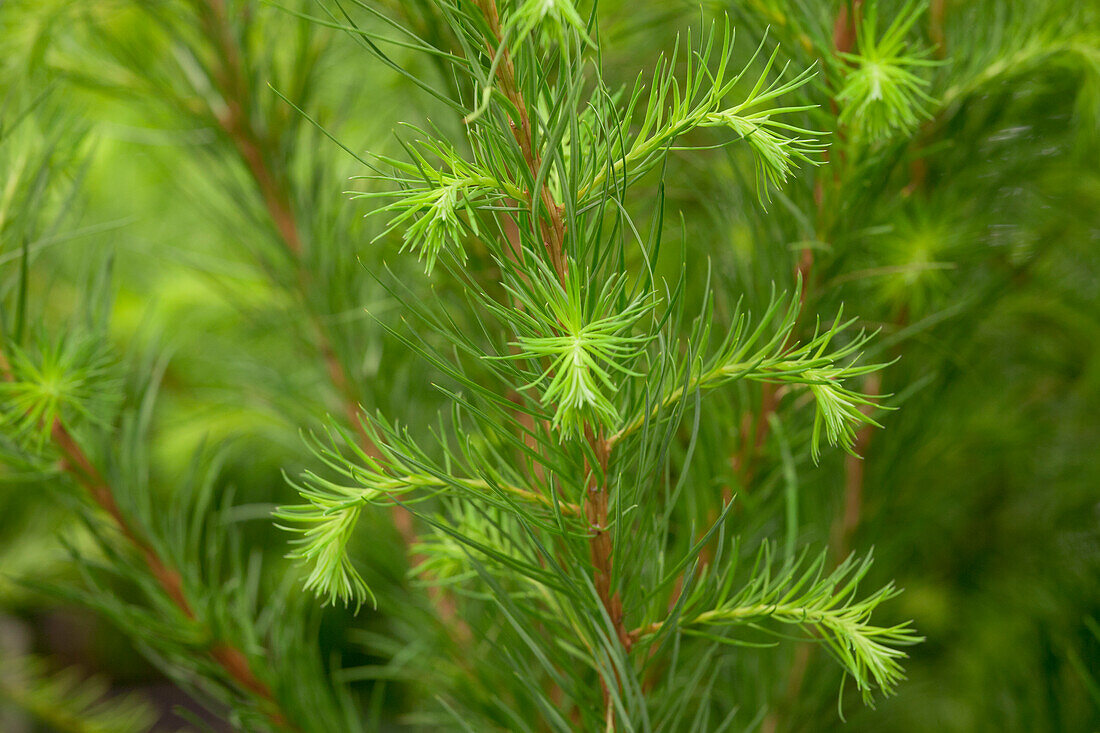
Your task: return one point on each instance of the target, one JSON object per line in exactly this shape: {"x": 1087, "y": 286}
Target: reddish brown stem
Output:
{"x": 552, "y": 228}
{"x": 601, "y": 553}
{"x": 599, "y": 545}
{"x": 232, "y": 660}
{"x": 241, "y": 130}
{"x": 844, "y": 29}
{"x": 275, "y": 199}
{"x": 236, "y": 121}
{"x": 646, "y": 630}
{"x": 239, "y": 126}
{"x": 936, "y": 13}
{"x": 846, "y": 524}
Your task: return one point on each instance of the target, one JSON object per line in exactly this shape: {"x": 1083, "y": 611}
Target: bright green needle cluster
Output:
{"x": 883, "y": 93}
{"x": 587, "y": 355}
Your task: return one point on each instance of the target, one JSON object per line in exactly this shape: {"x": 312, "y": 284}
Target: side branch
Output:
{"x": 232, "y": 660}
{"x": 824, "y": 380}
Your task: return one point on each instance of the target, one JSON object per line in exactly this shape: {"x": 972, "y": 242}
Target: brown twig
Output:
{"x": 845, "y": 525}
{"x": 844, "y": 29}
{"x": 601, "y": 553}
{"x": 648, "y": 629}
{"x": 553, "y": 228}
{"x": 236, "y": 121}
{"x": 936, "y": 13}
{"x": 600, "y": 547}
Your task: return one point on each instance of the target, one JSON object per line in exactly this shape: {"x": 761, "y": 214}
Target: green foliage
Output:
{"x": 585, "y": 368}
{"x": 825, "y": 604}
{"x": 745, "y": 354}
{"x": 552, "y": 17}
{"x": 584, "y": 337}
{"x": 428, "y": 205}
{"x": 673, "y": 107}
{"x": 584, "y": 343}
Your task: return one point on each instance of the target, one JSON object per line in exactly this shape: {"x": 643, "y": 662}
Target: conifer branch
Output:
{"x": 777, "y": 361}
{"x": 76, "y": 463}
{"x": 237, "y": 123}
{"x": 570, "y": 483}
{"x": 803, "y": 595}
{"x": 553, "y": 234}
{"x": 674, "y": 108}
{"x": 572, "y": 348}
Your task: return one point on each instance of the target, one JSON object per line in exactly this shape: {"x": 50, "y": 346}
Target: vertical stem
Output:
{"x": 936, "y": 13}
{"x": 236, "y": 121}
{"x": 552, "y": 230}
{"x": 844, "y": 29}
{"x": 846, "y": 524}
{"x": 600, "y": 545}
{"x": 601, "y": 552}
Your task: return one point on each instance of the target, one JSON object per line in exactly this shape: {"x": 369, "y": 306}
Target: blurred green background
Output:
{"x": 979, "y": 260}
